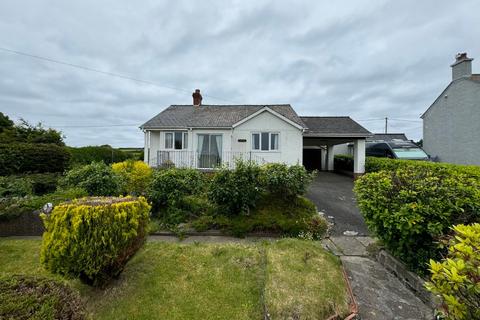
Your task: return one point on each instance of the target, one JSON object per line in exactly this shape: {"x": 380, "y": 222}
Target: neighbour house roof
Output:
{"x": 388, "y": 136}
{"x": 474, "y": 78}
{"x": 215, "y": 116}
{"x": 333, "y": 127}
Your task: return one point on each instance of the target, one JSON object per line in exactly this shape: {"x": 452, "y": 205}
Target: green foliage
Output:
{"x": 15, "y": 187}
{"x": 285, "y": 181}
{"x": 343, "y": 162}
{"x": 374, "y": 164}
{"x": 456, "y": 279}
{"x": 93, "y": 238}
{"x": 18, "y": 158}
{"x": 97, "y": 178}
{"x": 236, "y": 191}
{"x": 89, "y": 154}
{"x": 169, "y": 186}
{"x": 13, "y": 207}
{"x": 27, "y": 133}
{"x": 411, "y": 207}
{"x": 37, "y": 298}
{"x": 136, "y": 176}
{"x": 294, "y": 218}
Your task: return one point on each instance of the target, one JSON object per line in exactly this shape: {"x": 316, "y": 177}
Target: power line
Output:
{"x": 111, "y": 74}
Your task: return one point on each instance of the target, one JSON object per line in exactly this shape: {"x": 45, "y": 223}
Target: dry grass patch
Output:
{"x": 303, "y": 281}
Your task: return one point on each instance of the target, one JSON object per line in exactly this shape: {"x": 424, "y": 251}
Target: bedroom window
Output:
{"x": 176, "y": 140}
{"x": 265, "y": 141}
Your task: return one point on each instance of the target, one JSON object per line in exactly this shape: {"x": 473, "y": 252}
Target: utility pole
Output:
{"x": 386, "y": 124}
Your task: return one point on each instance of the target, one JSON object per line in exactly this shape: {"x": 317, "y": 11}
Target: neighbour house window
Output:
{"x": 176, "y": 140}
{"x": 265, "y": 141}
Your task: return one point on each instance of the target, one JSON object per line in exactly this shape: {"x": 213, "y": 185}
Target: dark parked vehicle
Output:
{"x": 395, "y": 150}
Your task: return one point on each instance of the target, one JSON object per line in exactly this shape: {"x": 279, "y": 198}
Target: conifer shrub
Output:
{"x": 136, "y": 176}
{"x": 93, "y": 238}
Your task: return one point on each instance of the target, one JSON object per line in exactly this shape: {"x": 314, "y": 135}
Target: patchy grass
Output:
{"x": 303, "y": 282}
{"x": 206, "y": 281}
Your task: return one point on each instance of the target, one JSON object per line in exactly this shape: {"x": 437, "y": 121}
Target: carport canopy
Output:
{"x": 326, "y": 132}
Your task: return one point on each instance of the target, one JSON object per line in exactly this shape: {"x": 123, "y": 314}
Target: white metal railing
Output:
{"x": 199, "y": 160}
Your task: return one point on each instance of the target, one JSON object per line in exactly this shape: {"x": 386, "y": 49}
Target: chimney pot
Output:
{"x": 197, "y": 97}
{"x": 462, "y": 67}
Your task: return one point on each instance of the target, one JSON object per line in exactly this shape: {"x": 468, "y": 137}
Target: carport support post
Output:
{"x": 358, "y": 157}
{"x": 330, "y": 157}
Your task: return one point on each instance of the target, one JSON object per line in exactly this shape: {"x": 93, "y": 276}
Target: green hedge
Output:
{"x": 285, "y": 181}
{"x": 93, "y": 238}
{"x": 89, "y": 154}
{"x": 411, "y": 207}
{"x": 17, "y": 158}
{"x": 97, "y": 178}
{"x": 374, "y": 164}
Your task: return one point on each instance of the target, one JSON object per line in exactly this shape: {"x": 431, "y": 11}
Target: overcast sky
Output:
{"x": 365, "y": 59}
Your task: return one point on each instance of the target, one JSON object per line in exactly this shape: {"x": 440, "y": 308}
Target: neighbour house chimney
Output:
{"x": 462, "y": 66}
{"x": 197, "y": 98}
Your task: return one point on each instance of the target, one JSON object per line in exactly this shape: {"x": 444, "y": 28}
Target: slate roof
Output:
{"x": 213, "y": 116}
{"x": 388, "y": 137}
{"x": 333, "y": 127}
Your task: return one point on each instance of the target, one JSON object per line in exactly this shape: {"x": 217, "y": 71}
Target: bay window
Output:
{"x": 265, "y": 141}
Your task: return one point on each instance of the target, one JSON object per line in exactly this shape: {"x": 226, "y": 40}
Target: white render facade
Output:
{"x": 264, "y": 137}
{"x": 207, "y": 136}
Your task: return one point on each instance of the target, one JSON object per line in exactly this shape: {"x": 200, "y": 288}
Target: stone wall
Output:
{"x": 28, "y": 224}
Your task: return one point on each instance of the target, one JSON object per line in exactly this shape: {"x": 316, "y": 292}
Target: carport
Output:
{"x": 323, "y": 133}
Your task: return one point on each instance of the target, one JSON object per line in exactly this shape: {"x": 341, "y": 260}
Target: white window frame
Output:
{"x": 269, "y": 141}
{"x": 173, "y": 140}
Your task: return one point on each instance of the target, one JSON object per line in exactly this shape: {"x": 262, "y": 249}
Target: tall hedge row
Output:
{"x": 18, "y": 158}
{"x": 89, "y": 154}
{"x": 413, "y": 206}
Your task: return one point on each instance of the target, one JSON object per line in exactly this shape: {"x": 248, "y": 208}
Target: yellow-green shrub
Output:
{"x": 93, "y": 238}
{"x": 136, "y": 176}
{"x": 457, "y": 278}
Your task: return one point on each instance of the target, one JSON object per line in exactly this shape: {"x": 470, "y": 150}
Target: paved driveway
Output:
{"x": 332, "y": 193}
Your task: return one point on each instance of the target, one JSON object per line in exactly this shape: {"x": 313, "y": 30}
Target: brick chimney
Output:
{"x": 462, "y": 66}
{"x": 197, "y": 98}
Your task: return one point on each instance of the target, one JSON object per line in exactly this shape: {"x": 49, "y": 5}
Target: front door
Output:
{"x": 209, "y": 150}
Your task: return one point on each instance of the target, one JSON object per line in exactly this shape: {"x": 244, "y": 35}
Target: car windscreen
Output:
{"x": 410, "y": 153}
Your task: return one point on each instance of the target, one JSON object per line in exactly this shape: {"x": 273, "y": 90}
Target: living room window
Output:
{"x": 177, "y": 140}
{"x": 265, "y": 141}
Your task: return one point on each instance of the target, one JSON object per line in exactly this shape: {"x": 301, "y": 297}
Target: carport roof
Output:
{"x": 333, "y": 127}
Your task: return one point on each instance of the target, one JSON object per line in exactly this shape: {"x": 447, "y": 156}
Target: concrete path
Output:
{"x": 333, "y": 194}
{"x": 379, "y": 294}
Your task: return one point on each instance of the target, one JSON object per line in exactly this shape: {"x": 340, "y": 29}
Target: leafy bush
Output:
{"x": 13, "y": 207}
{"x": 294, "y": 218}
{"x": 96, "y": 178}
{"x": 18, "y": 158}
{"x": 136, "y": 176}
{"x": 197, "y": 206}
{"x": 456, "y": 279}
{"x": 236, "y": 191}
{"x": 27, "y": 133}
{"x": 24, "y": 297}
{"x": 15, "y": 187}
{"x": 169, "y": 186}
{"x": 343, "y": 162}
{"x": 89, "y": 154}
{"x": 285, "y": 181}
{"x": 411, "y": 207}
{"x": 93, "y": 238}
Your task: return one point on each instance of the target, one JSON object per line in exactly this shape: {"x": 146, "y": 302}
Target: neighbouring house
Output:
{"x": 206, "y": 136}
{"x": 451, "y": 125}
{"x": 347, "y": 148}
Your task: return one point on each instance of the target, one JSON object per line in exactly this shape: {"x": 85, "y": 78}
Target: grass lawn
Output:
{"x": 292, "y": 279}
